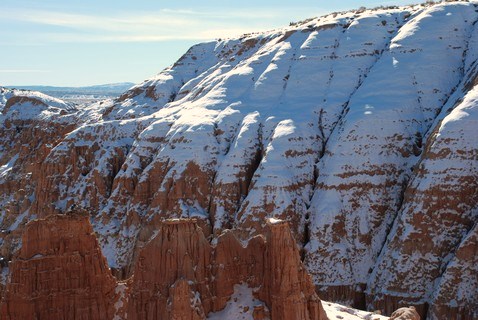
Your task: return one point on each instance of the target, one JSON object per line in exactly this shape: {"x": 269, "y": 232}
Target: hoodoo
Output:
{"x": 59, "y": 273}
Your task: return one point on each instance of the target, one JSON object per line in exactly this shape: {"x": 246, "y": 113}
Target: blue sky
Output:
{"x": 87, "y": 42}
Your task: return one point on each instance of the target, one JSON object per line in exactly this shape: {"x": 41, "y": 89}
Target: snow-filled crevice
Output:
{"x": 428, "y": 131}
{"x": 425, "y": 135}
{"x": 344, "y": 110}
{"x": 361, "y": 80}
{"x": 252, "y": 168}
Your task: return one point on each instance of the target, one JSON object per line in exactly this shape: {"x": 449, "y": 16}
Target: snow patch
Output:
{"x": 6, "y": 168}
{"x": 240, "y": 306}
{"x": 336, "y": 311}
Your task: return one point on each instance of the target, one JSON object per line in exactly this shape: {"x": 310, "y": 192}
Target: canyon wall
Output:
{"x": 60, "y": 273}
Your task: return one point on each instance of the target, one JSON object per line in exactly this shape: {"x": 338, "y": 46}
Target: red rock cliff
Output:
{"x": 59, "y": 273}
{"x": 180, "y": 254}
{"x": 179, "y": 251}
{"x": 287, "y": 287}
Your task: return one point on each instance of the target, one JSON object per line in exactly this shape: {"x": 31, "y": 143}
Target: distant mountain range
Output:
{"x": 102, "y": 88}
{"x": 81, "y": 94}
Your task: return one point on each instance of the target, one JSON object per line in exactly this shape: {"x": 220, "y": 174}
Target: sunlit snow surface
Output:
{"x": 242, "y": 302}
{"x": 336, "y": 311}
{"x": 239, "y": 307}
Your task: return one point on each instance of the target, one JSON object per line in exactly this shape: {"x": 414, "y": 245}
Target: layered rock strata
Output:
{"x": 180, "y": 259}
{"x": 59, "y": 273}
{"x": 437, "y": 218}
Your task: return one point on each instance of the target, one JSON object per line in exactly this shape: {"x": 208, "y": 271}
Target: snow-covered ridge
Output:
{"x": 25, "y": 104}
{"x": 82, "y": 95}
{"x": 354, "y": 127}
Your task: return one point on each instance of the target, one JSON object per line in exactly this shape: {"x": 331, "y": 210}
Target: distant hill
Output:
{"x": 81, "y": 94}
{"x": 102, "y": 88}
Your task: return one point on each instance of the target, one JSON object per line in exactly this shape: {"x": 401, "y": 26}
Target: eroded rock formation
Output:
{"x": 59, "y": 273}
{"x": 179, "y": 251}
{"x": 180, "y": 254}
{"x": 286, "y": 286}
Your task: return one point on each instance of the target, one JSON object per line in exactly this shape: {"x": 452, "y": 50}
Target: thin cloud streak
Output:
{"x": 98, "y": 23}
{"x": 202, "y": 35}
{"x": 23, "y": 71}
{"x": 159, "y": 17}
{"x": 164, "y": 25}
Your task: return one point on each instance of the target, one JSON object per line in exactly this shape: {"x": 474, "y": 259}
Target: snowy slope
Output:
{"x": 27, "y": 105}
{"x": 370, "y": 156}
{"x": 439, "y": 212}
{"x": 242, "y": 303}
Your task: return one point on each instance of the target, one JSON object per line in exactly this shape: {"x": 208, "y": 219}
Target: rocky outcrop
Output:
{"x": 405, "y": 314}
{"x": 179, "y": 251}
{"x": 286, "y": 286}
{"x": 235, "y": 263}
{"x": 59, "y": 273}
{"x": 179, "y": 271}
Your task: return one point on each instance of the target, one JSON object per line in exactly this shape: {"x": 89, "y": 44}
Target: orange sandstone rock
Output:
{"x": 184, "y": 304}
{"x": 179, "y": 251}
{"x": 179, "y": 266}
{"x": 287, "y": 287}
{"x": 59, "y": 273}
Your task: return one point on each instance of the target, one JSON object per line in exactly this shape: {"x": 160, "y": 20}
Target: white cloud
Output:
{"x": 199, "y": 35}
{"x": 161, "y": 25}
{"x": 98, "y": 23}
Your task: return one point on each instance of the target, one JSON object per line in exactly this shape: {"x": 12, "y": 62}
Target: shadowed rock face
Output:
{"x": 179, "y": 254}
{"x": 59, "y": 273}
{"x": 357, "y": 128}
